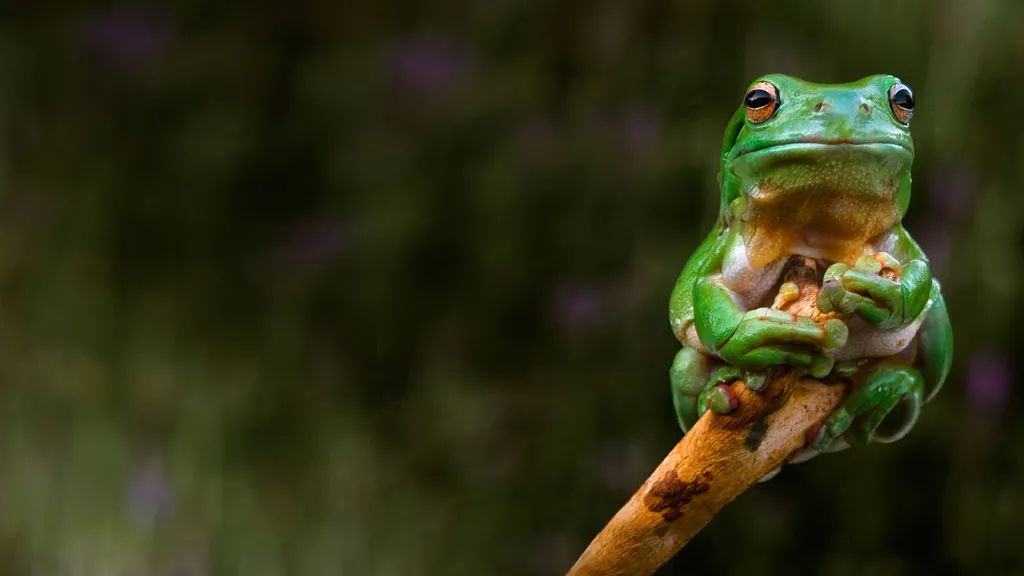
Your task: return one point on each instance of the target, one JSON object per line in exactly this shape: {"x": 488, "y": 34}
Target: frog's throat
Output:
{"x": 821, "y": 224}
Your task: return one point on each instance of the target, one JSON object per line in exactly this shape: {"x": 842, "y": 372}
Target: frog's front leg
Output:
{"x": 759, "y": 338}
{"x": 744, "y": 343}
{"x": 883, "y": 407}
{"x": 879, "y": 289}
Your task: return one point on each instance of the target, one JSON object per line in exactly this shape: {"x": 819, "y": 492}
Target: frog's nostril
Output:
{"x": 864, "y": 108}
{"x": 819, "y": 107}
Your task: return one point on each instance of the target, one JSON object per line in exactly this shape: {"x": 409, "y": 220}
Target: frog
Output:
{"x": 818, "y": 171}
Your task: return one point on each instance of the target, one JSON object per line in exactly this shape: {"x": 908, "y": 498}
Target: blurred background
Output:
{"x": 381, "y": 288}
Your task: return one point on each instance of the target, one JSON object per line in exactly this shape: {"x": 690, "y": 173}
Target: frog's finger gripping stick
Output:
{"x": 720, "y": 457}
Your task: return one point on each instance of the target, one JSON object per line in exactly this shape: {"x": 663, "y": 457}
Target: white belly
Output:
{"x": 754, "y": 287}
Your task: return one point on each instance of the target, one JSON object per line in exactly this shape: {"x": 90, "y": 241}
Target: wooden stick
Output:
{"x": 717, "y": 460}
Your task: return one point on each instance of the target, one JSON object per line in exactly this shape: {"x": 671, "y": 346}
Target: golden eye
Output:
{"x": 761, "y": 102}
{"x": 901, "y": 101}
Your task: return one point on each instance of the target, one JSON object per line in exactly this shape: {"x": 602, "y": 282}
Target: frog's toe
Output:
{"x": 887, "y": 261}
{"x": 873, "y": 263}
{"x": 721, "y": 399}
{"x": 755, "y": 380}
{"x": 882, "y": 409}
{"x": 833, "y": 428}
{"x": 821, "y": 366}
{"x": 717, "y": 396}
{"x": 891, "y": 420}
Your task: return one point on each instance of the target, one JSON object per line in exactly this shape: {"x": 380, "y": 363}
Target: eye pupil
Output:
{"x": 901, "y": 102}
{"x": 761, "y": 102}
{"x": 758, "y": 98}
{"x": 904, "y": 99}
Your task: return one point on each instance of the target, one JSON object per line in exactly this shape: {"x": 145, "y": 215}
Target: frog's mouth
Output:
{"x": 822, "y": 168}
{"x": 840, "y": 194}
{"x": 821, "y": 144}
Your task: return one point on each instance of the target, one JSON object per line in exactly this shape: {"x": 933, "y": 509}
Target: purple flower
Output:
{"x": 577, "y": 307}
{"x": 313, "y": 245}
{"x": 149, "y": 492}
{"x": 952, "y": 188}
{"x": 937, "y": 243}
{"x": 640, "y": 133}
{"x": 125, "y": 37}
{"x": 988, "y": 382}
{"x": 427, "y": 67}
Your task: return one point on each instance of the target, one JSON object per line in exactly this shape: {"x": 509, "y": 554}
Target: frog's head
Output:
{"x": 820, "y": 164}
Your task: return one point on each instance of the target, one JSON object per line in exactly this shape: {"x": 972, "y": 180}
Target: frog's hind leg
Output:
{"x": 689, "y": 376}
{"x": 900, "y": 388}
{"x": 889, "y": 393}
{"x": 935, "y": 344}
{"x": 883, "y": 406}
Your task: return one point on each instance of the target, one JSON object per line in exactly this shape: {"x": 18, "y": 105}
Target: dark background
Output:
{"x": 381, "y": 287}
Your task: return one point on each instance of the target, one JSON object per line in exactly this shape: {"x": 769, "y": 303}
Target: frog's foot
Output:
{"x": 717, "y": 396}
{"x": 882, "y": 409}
{"x": 696, "y": 388}
{"x": 878, "y": 289}
{"x": 766, "y": 337}
{"x": 869, "y": 288}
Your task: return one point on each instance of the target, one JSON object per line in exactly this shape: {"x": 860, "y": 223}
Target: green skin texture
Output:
{"x": 814, "y": 125}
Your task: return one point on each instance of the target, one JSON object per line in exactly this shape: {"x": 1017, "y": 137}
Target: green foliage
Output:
{"x": 369, "y": 288}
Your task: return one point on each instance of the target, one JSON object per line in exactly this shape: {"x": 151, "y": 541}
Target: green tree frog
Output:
{"x": 820, "y": 171}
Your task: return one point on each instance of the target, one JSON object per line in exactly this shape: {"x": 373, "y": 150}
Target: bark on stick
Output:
{"x": 718, "y": 459}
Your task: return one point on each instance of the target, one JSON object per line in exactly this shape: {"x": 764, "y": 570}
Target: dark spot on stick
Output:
{"x": 756, "y": 434}
{"x": 670, "y": 494}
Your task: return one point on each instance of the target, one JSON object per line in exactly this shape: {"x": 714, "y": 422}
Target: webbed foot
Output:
{"x": 767, "y": 337}
{"x": 883, "y": 408}
{"x": 878, "y": 289}
{"x": 697, "y": 387}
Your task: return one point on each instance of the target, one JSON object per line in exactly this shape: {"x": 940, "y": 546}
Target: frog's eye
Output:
{"x": 761, "y": 102}
{"x": 901, "y": 100}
